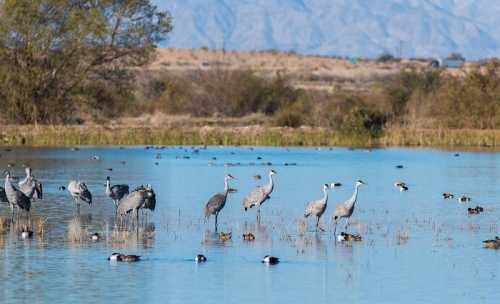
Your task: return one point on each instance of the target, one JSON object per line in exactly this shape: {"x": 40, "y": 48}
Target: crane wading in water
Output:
{"x": 31, "y": 187}
{"x": 318, "y": 207}
{"x": 116, "y": 192}
{"x": 143, "y": 197}
{"x": 259, "y": 195}
{"x": 80, "y": 192}
{"x": 345, "y": 209}
{"x": 217, "y": 202}
{"x": 15, "y": 197}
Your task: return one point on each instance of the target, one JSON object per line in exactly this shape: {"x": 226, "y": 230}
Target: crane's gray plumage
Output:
{"x": 259, "y": 195}
{"x": 345, "y": 209}
{"x": 116, "y": 192}
{"x": 30, "y": 186}
{"x": 317, "y": 208}
{"x": 141, "y": 197}
{"x": 3, "y": 196}
{"x": 80, "y": 192}
{"x": 150, "y": 201}
{"x": 15, "y": 197}
{"x": 217, "y": 202}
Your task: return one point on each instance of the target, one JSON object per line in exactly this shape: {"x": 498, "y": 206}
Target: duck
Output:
{"x": 248, "y": 236}
{"x": 95, "y": 237}
{"x": 448, "y": 195}
{"x": 257, "y": 177}
{"x": 401, "y": 186}
{"x": 463, "y": 198}
{"x": 270, "y": 260}
{"x": 493, "y": 244}
{"x": 26, "y": 234}
{"x": 200, "y": 258}
{"x": 399, "y": 167}
{"x": 118, "y": 257}
{"x": 225, "y": 236}
{"x": 348, "y": 237}
{"x": 476, "y": 210}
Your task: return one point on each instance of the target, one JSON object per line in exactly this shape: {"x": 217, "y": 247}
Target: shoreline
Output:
{"x": 39, "y": 136}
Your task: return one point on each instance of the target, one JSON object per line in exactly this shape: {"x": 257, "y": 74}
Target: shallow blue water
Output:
{"x": 416, "y": 248}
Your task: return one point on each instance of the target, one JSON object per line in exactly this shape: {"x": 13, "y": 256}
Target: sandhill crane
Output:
{"x": 150, "y": 201}
{"x": 31, "y": 187}
{"x": 318, "y": 207}
{"x": 116, "y": 192}
{"x": 80, "y": 192}
{"x": 15, "y": 197}
{"x": 142, "y": 197}
{"x": 259, "y": 195}
{"x": 345, "y": 209}
{"x": 217, "y": 202}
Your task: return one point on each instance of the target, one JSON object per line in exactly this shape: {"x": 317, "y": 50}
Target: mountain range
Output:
{"x": 358, "y": 28}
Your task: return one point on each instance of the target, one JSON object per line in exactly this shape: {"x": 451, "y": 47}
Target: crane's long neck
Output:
{"x": 271, "y": 182}
{"x": 8, "y": 185}
{"x": 325, "y": 196}
{"x": 354, "y": 197}
{"x": 226, "y": 186}
{"x": 108, "y": 187}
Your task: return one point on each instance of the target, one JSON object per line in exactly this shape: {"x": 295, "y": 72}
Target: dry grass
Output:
{"x": 252, "y": 135}
{"x": 76, "y": 232}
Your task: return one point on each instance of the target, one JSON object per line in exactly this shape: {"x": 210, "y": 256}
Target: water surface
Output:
{"x": 416, "y": 248}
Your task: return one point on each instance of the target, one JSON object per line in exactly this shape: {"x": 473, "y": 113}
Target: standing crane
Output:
{"x": 15, "y": 197}
{"x": 80, "y": 192}
{"x": 259, "y": 195}
{"x": 31, "y": 187}
{"x": 116, "y": 192}
{"x": 217, "y": 202}
{"x": 142, "y": 197}
{"x": 345, "y": 209}
{"x": 318, "y": 207}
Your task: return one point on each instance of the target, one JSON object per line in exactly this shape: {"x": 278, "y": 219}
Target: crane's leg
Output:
{"x": 258, "y": 214}
{"x": 317, "y": 225}
{"x": 335, "y": 229}
{"x": 216, "y": 216}
{"x": 137, "y": 217}
{"x": 78, "y": 208}
{"x": 347, "y": 224}
{"x": 12, "y": 212}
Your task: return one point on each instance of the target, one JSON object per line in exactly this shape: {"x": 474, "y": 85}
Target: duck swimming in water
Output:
{"x": 95, "y": 237}
{"x": 270, "y": 260}
{"x": 200, "y": 258}
{"x": 118, "y": 257}
{"x": 342, "y": 237}
{"x": 225, "y": 236}
{"x": 248, "y": 236}
{"x": 493, "y": 244}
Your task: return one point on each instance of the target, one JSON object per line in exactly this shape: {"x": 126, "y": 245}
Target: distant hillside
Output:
{"x": 414, "y": 28}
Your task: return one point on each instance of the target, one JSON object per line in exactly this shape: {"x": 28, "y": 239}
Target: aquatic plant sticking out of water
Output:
{"x": 76, "y": 232}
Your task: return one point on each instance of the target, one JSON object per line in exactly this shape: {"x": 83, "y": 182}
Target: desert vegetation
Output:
{"x": 96, "y": 66}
